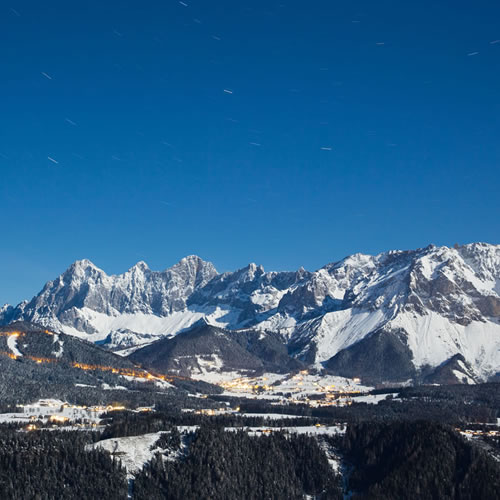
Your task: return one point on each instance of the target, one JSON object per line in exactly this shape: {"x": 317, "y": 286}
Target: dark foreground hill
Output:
{"x": 38, "y": 363}
{"x": 205, "y": 348}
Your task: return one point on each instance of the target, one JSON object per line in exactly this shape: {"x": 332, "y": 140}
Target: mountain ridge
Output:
{"x": 439, "y": 301}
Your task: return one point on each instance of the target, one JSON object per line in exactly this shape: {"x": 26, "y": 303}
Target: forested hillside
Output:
{"x": 49, "y": 465}
{"x": 418, "y": 460}
{"x": 232, "y": 465}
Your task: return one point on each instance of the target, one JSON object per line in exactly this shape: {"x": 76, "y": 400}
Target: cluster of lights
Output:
{"x": 10, "y": 334}
{"x": 126, "y": 372}
{"x": 244, "y": 385}
{"x": 20, "y": 334}
{"x": 332, "y": 395}
{"x": 469, "y": 433}
{"x": 216, "y": 411}
{"x": 63, "y": 419}
{"x": 8, "y": 354}
{"x": 11, "y": 355}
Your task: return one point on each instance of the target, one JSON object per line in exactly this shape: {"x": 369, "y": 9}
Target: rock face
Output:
{"x": 83, "y": 287}
{"x": 412, "y": 309}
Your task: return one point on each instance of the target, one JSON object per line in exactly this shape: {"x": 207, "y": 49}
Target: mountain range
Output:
{"x": 431, "y": 313}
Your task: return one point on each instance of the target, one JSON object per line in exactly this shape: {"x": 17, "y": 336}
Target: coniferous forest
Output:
{"x": 418, "y": 460}
{"x": 50, "y": 465}
{"x": 380, "y": 460}
{"x": 411, "y": 448}
{"x": 225, "y": 464}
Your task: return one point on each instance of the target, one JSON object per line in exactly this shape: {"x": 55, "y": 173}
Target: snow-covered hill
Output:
{"x": 395, "y": 315}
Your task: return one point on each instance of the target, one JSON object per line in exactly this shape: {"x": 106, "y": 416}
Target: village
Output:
{"x": 303, "y": 388}
{"x": 56, "y": 413}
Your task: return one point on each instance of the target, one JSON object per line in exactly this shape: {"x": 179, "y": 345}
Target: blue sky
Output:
{"x": 282, "y": 132}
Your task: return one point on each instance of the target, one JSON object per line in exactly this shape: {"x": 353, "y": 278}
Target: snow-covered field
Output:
{"x": 133, "y": 451}
{"x": 373, "y": 398}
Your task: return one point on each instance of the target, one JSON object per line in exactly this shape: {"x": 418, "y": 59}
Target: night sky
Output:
{"x": 286, "y": 133}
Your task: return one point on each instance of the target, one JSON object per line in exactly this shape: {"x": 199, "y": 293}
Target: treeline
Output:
{"x": 451, "y": 404}
{"x": 121, "y": 424}
{"x": 485, "y": 395}
{"x": 418, "y": 460}
{"x": 386, "y": 411}
{"x": 230, "y": 465}
{"x": 47, "y": 465}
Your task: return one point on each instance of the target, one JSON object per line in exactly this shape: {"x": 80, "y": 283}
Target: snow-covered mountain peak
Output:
{"x": 191, "y": 261}
{"x": 459, "y": 283}
{"x": 193, "y": 268}
{"x": 356, "y": 260}
{"x": 141, "y": 266}
{"x": 73, "y": 301}
{"x": 484, "y": 259}
{"x": 82, "y": 263}
{"x": 427, "y": 304}
{"x": 83, "y": 268}
{"x": 251, "y": 272}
